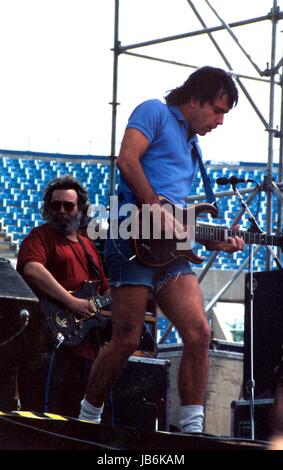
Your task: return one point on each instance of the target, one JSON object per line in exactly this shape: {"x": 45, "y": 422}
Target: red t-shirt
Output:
{"x": 65, "y": 260}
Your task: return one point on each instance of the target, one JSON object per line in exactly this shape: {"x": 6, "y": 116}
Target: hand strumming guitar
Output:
{"x": 80, "y": 306}
{"x": 168, "y": 223}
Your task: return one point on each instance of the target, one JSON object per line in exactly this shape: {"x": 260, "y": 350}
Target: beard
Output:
{"x": 64, "y": 224}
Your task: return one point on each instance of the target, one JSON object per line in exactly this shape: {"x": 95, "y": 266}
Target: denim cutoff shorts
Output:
{"x": 124, "y": 268}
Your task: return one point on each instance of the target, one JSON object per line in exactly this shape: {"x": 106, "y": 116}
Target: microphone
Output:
{"x": 233, "y": 180}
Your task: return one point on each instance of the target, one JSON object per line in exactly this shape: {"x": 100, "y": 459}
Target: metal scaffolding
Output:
{"x": 271, "y": 74}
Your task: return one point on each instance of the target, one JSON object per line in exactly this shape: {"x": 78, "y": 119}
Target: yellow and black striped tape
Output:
{"x": 37, "y": 415}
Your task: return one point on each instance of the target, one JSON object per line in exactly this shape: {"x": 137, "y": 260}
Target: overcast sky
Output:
{"x": 56, "y": 71}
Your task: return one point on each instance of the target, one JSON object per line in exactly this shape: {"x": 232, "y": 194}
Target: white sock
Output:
{"x": 192, "y": 418}
{"x": 89, "y": 412}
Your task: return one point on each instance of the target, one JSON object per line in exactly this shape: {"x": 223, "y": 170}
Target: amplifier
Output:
{"x": 140, "y": 397}
{"x": 267, "y": 338}
{"x": 18, "y": 310}
{"x": 241, "y": 422}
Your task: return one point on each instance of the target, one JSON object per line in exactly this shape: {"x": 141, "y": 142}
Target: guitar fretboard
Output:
{"x": 214, "y": 233}
{"x": 102, "y": 300}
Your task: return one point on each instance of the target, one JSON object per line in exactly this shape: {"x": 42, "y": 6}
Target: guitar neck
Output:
{"x": 102, "y": 300}
{"x": 214, "y": 233}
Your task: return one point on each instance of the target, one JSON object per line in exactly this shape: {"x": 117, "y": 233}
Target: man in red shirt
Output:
{"x": 55, "y": 259}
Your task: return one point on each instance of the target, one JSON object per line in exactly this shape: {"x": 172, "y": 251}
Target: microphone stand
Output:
{"x": 255, "y": 228}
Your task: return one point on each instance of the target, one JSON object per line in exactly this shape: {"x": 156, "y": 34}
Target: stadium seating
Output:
{"x": 24, "y": 175}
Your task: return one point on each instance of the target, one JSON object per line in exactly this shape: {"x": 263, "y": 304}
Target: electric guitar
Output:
{"x": 160, "y": 252}
{"x": 67, "y": 327}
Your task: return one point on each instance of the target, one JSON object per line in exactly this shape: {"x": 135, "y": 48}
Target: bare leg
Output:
{"x": 275, "y": 418}
{"x": 128, "y": 311}
{"x": 181, "y": 301}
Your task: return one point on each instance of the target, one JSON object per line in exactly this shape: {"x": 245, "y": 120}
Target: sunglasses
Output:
{"x": 68, "y": 205}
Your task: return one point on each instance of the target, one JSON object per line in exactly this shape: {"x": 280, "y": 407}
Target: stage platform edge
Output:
{"x": 26, "y": 430}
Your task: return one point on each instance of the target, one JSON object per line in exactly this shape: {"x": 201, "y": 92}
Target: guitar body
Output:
{"x": 68, "y": 328}
{"x": 160, "y": 252}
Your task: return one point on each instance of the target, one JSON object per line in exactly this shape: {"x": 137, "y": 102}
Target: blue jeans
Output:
{"x": 124, "y": 268}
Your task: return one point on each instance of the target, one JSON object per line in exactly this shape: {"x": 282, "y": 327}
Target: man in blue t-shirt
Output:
{"x": 159, "y": 156}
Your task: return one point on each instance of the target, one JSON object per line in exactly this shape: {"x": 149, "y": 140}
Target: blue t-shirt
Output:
{"x": 168, "y": 162}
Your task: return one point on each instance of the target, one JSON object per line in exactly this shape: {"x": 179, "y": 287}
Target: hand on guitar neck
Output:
{"x": 231, "y": 245}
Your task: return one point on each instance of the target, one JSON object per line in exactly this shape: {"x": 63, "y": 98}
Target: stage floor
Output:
{"x": 44, "y": 431}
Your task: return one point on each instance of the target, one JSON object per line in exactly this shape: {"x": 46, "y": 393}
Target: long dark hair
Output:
{"x": 205, "y": 85}
{"x": 64, "y": 182}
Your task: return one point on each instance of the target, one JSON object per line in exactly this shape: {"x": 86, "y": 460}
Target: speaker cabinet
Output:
{"x": 268, "y": 331}
{"x": 18, "y": 308}
{"x": 140, "y": 397}
{"x": 241, "y": 422}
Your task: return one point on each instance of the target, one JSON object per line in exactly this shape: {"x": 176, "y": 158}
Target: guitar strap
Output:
{"x": 91, "y": 265}
{"x": 206, "y": 180}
